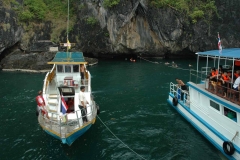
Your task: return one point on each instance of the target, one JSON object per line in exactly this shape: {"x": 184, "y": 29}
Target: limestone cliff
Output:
{"x": 130, "y": 27}
{"x": 10, "y": 31}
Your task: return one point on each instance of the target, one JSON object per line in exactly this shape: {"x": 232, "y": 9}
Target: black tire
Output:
{"x": 98, "y": 110}
{"x": 175, "y": 101}
{"x": 228, "y": 148}
{"x": 37, "y": 112}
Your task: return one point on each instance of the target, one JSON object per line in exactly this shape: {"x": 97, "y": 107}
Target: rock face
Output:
{"x": 135, "y": 27}
{"x": 10, "y": 31}
{"x": 33, "y": 61}
{"x": 130, "y": 27}
{"x": 20, "y": 60}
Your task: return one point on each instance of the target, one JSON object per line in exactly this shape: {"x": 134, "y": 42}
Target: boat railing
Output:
{"x": 181, "y": 95}
{"x": 48, "y": 78}
{"x": 87, "y": 82}
{"x": 224, "y": 90}
{"x": 63, "y": 125}
{"x": 45, "y": 88}
{"x": 199, "y": 76}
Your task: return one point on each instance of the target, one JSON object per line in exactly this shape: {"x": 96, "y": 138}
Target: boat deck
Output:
{"x": 226, "y": 93}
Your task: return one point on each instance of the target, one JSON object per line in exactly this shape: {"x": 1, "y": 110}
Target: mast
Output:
{"x": 68, "y": 28}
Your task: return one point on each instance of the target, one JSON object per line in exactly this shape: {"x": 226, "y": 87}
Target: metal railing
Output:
{"x": 224, "y": 90}
{"x": 62, "y": 125}
{"x": 181, "y": 95}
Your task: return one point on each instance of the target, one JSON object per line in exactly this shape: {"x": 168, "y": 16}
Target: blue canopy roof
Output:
{"x": 231, "y": 53}
{"x": 68, "y": 58}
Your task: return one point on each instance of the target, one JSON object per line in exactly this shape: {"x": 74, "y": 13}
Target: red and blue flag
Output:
{"x": 64, "y": 106}
{"x": 219, "y": 43}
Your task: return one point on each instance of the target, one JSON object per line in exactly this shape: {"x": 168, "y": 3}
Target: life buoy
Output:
{"x": 40, "y": 101}
{"x": 175, "y": 101}
{"x": 228, "y": 148}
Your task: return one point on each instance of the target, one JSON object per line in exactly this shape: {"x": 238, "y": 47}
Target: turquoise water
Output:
{"x": 132, "y": 98}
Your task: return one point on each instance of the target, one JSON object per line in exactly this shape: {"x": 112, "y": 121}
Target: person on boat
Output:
{"x": 225, "y": 79}
{"x": 236, "y": 84}
{"x": 83, "y": 102}
{"x": 213, "y": 76}
{"x": 41, "y": 104}
{"x": 236, "y": 75}
{"x": 233, "y": 76}
{"x": 82, "y": 70}
{"x": 182, "y": 86}
{"x": 220, "y": 70}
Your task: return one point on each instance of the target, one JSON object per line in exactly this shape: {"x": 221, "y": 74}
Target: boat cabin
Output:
{"x": 65, "y": 80}
{"x": 67, "y": 66}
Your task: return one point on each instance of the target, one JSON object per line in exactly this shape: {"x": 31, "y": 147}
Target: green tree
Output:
{"x": 110, "y": 3}
{"x": 193, "y": 9}
{"x": 91, "y": 21}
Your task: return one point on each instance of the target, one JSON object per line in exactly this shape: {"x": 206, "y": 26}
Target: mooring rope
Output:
{"x": 120, "y": 139}
{"x": 148, "y": 60}
{"x": 168, "y": 65}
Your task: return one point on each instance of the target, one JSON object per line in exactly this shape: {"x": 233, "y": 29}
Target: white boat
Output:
{"x": 203, "y": 104}
{"x": 64, "y": 80}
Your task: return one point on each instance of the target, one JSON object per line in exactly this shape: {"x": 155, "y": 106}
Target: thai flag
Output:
{"x": 219, "y": 42}
{"x": 64, "y": 106}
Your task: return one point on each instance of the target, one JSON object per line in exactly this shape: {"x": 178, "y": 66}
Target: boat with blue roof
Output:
{"x": 65, "y": 107}
{"x": 62, "y": 117}
{"x": 212, "y": 107}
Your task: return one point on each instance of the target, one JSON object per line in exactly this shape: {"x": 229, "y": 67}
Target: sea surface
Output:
{"x": 135, "y": 120}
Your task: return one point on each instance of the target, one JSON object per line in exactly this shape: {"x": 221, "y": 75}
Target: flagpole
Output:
{"x": 67, "y": 26}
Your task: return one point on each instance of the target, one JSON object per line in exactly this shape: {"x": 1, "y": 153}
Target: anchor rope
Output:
{"x": 148, "y": 60}
{"x": 120, "y": 139}
{"x": 167, "y": 65}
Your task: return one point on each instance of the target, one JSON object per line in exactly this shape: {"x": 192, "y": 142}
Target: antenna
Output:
{"x": 68, "y": 44}
{"x": 68, "y": 21}
{"x": 68, "y": 27}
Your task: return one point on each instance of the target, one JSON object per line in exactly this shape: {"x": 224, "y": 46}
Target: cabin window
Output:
{"x": 215, "y": 105}
{"x": 75, "y": 68}
{"x": 67, "y": 69}
{"x": 59, "y": 68}
{"x": 230, "y": 114}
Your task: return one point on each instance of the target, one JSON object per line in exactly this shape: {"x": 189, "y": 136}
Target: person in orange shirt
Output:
{"x": 213, "y": 76}
{"x": 225, "y": 80}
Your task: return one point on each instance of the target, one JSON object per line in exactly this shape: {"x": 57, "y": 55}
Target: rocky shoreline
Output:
{"x": 25, "y": 70}
{"x": 35, "y": 62}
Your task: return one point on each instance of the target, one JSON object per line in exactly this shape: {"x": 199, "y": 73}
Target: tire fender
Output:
{"x": 228, "y": 148}
{"x": 175, "y": 101}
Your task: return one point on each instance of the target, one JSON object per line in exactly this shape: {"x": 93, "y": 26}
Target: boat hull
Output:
{"x": 70, "y": 138}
